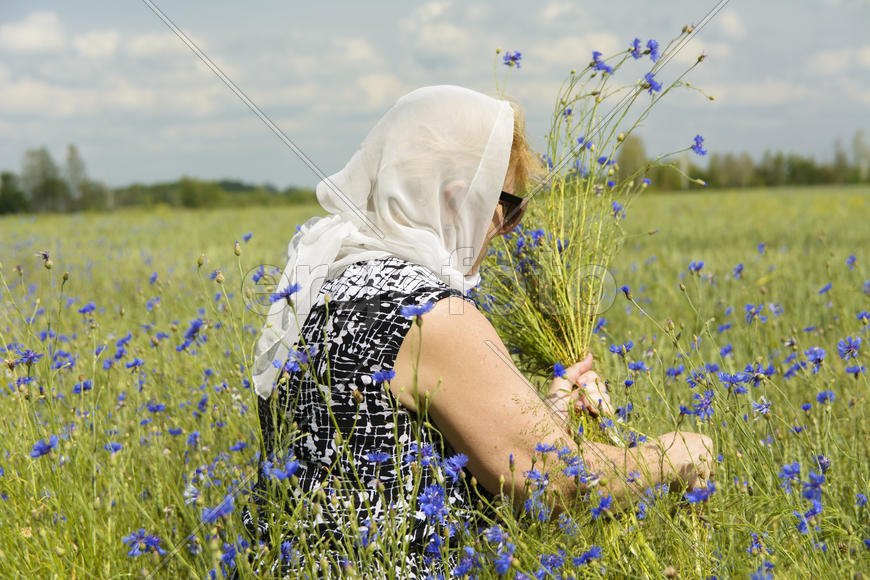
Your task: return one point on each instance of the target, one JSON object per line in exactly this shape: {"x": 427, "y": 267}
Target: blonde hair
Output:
{"x": 525, "y": 165}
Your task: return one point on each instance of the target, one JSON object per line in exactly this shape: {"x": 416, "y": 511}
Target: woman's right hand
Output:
{"x": 684, "y": 457}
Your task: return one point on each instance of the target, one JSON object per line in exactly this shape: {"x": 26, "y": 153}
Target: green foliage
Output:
{"x": 65, "y": 513}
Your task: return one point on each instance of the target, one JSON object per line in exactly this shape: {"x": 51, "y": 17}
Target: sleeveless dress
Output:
{"x": 351, "y": 437}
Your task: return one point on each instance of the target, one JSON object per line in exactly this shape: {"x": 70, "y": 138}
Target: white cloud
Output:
{"x": 839, "y": 61}
{"x": 156, "y": 44}
{"x": 574, "y": 51}
{"x": 730, "y": 24}
{"x": 764, "y": 93}
{"x": 97, "y": 43}
{"x": 558, "y": 12}
{"x": 39, "y": 32}
{"x": 380, "y": 89}
{"x": 435, "y": 37}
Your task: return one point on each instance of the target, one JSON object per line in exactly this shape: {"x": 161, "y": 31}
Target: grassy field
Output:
{"x": 132, "y": 362}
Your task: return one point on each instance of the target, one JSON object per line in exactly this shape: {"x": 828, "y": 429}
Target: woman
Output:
{"x": 342, "y": 376}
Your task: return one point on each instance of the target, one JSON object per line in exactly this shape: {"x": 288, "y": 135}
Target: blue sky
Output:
{"x": 114, "y": 80}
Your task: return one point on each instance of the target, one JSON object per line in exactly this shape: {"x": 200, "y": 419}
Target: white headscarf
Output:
{"x": 423, "y": 186}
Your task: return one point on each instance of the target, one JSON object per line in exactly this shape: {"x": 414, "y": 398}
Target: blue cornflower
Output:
{"x": 285, "y": 294}
{"x": 738, "y": 270}
{"x": 417, "y": 310}
{"x": 378, "y": 457}
{"x": 762, "y": 407}
{"x": 753, "y": 312}
{"x": 85, "y": 385}
{"x": 603, "y": 504}
{"x": 42, "y": 447}
{"x": 698, "y": 146}
{"x": 622, "y": 349}
{"x": 453, "y": 466}
{"x": 616, "y": 208}
{"x": 598, "y": 64}
{"x": 654, "y": 85}
{"x": 823, "y": 463}
{"x": 815, "y": 355}
{"x": 431, "y": 501}
{"x": 863, "y": 316}
{"x": 27, "y": 356}
{"x": 866, "y": 287}
{"x": 848, "y": 347}
{"x": 495, "y": 535}
{"x": 558, "y": 370}
{"x": 653, "y": 47}
{"x": 625, "y": 412}
{"x": 223, "y": 509}
{"x": 860, "y": 500}
{"x": 545, "y": 448}
{"x": 645, "y": 182}
{"x": 695, "y": 267}
{"x": 761, "y": 247}
{"x": 824, "y": 288}
{"x": 855, "y": 370}
{"x": 87, "y": 308}
{"x": 279, "y": 472}
{"x": 135, "y": 363}
{"x": 601, "y": 322}
{"x": 790, "y": 472}
{"x": 726, "y": 350}
{"x": 635, "y": 49}
{"x": 153, "y": 278}
{"x": 504, "y": 558}
{"x": 850, "y": 261}
{"x": 700, "y": 494}
{"x": 193, "y": 439}
{"x": 513, "y": 58}
{"x": 141, "y": 543}
{"x": 813, "y": 487}
{"x": 112, "y": 448}
{"x": 592, "y": 553}
{"x": 383, "y": 376}
{"x": 638, "y": 366}
{"x": 703, "y": 405}
{"x": 247, "y": 237}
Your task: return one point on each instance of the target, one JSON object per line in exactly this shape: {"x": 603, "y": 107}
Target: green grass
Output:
{"x": 66, "y": 512}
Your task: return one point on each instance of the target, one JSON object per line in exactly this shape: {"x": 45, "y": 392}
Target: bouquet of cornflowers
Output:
{"x": 548, "y": 280}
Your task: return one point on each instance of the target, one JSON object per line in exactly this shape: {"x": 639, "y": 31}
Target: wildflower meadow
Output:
{"x": 129, "y": 438}
{"x": 129, "y": 427}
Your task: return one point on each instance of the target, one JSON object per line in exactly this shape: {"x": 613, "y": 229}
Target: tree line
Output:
{"x": 735, "y": 170}
{"x": 45, "y": 186}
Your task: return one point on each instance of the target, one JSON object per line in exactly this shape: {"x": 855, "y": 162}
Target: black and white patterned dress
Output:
{"x": 352, "y": 438}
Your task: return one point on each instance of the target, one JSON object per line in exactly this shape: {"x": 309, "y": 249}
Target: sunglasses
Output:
{"x": 514, "y": 208}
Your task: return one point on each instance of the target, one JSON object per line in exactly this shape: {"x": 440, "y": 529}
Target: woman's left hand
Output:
{"x": 581, "y": 387}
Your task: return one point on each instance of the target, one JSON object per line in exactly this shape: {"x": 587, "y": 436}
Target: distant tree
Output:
{"x": 841, "y": 171}
{"x": 631, "y": 156}
{"x": 861, "y": 155}
{"x": 74, "y": 171}
{"x": 196, "y": 193}
{"x": 42, "y": 183}
{"x": 12, "y": 198}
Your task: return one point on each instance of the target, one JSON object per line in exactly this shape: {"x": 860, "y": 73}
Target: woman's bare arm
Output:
{"x": 486, "y": 409}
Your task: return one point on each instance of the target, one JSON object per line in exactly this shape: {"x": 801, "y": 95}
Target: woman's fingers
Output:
{"x": 573, "y": 372}
{"x": 593, "y": 394}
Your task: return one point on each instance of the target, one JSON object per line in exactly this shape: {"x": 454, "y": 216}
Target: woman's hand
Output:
{"x": 591, "y": 394}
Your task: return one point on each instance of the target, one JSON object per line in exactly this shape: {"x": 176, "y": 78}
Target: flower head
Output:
{"x": 698, "y": 146}
{"x": 653, "y": 47}
{"x": 513, "y": 58}
{"x": 652, "y": 84}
